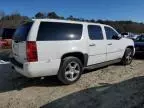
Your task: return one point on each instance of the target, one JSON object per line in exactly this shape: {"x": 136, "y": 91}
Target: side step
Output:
{"x": 99, "y": 65}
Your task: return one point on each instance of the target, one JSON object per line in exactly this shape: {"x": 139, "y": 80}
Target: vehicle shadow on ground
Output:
{"x": 13, "y": 81}
{"x": 86, "y": 71}
{"x": 10, "y": 81}
{"x": 126, "y": 94}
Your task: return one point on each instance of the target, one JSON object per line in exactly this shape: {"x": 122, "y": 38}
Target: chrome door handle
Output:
{"x": 92, "y": 45}
{"x": 110, "y": 44}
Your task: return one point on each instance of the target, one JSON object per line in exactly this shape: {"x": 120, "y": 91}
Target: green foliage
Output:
{"x": 52, "y": 15}
{"x": 40, "y": 15}
{"x": 125, "y": 26}
{"x": 12, "y": 21}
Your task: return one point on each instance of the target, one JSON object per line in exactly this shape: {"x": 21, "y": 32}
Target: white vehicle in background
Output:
{"x": 45, "y": 47}
{"x": 133, "y": 36}
{"x": 130, "y": 35}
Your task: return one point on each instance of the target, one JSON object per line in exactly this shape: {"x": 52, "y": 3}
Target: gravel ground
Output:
{"x": 110, "y": 87}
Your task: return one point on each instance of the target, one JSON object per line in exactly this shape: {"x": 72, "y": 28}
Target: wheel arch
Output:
{"x": 131, "y": 47}
{"x": 83, "y": 57}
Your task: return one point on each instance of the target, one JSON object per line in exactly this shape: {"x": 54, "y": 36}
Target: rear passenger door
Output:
{"x": 97, "y": 45}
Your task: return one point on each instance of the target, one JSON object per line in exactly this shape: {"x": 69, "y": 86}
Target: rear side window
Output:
{"x": 49, "y": 31}
{"x": 22, "y": 32}
{"x": 95, "y": 32}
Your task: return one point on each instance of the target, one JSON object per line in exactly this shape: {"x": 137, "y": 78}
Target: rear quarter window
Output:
{"x": 22, "y": 32}
{"x": 54, "y": 31}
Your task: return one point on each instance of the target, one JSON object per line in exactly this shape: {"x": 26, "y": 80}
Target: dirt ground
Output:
{"x": 114, "y": 86}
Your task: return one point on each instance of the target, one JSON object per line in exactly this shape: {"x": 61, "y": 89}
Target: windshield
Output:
{"x": 22, "y": 32}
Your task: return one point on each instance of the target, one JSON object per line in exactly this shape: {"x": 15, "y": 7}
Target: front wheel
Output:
{"x": 128, "y": 57}
{"x": 70, "y": 70}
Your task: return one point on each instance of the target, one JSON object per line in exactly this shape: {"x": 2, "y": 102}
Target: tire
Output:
{"x": 70, "y": 70}
{"x": 128, "y": 57}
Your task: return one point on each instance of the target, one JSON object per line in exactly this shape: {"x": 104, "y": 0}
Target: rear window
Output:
{"x": 22, "y": 32}
{"x": 49, "y": 31}
{"x": 6, "y": 33}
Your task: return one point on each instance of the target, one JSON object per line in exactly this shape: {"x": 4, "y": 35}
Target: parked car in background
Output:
{"x": 130, "y": 35}
{"x": 6, "y": 37}
{"x": 139, "y": 43}
{"x": 133, "y": 36}
{"x": 46, "y": 47}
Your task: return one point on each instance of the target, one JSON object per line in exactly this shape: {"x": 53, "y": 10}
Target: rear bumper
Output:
{"x": 38, "y": 69}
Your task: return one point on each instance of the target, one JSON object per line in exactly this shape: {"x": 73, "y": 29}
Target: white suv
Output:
{"x": 45, "y": 47}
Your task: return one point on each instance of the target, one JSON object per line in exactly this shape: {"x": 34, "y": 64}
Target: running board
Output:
{"x": 99, "y": 65}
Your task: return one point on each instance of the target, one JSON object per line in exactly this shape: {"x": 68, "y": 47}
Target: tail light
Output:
{"x": 6, "y": 43}
{"x": 31, "y": 50}
{"x": 3, "y": 43}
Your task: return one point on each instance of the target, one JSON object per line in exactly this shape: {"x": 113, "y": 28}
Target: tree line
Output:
{"x": 15, "y": 19}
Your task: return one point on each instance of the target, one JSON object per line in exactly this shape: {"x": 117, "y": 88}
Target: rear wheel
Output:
{"x": 70, "y": 70}
{"x": 128, "y": 57}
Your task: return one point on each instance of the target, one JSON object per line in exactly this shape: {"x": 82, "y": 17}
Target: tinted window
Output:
{"x": 110, "y": 33}
{"x": 59, "y": 31}
{"x": 22, "y": 32}
{"x": 95, "y": 32}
